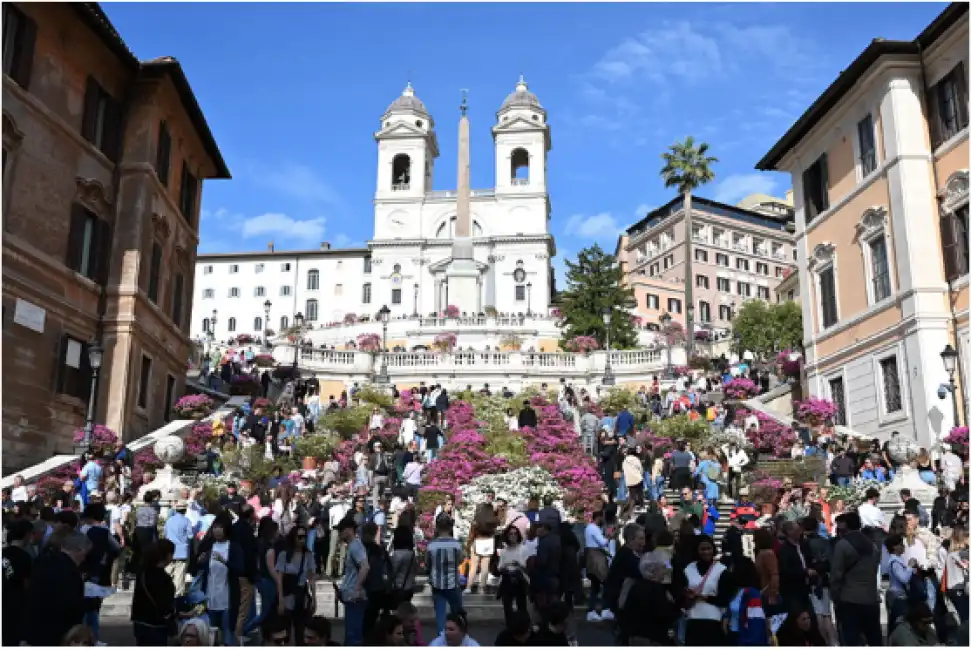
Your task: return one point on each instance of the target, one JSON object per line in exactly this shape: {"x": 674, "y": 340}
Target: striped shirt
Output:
{"x": 444, "y": 557}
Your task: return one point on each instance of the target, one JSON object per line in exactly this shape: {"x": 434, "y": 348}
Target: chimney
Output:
{"x": 270, "y": 247}
{"x": 325, "y": 245}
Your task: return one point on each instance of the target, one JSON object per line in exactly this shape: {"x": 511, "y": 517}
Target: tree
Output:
{"x": 686, "y": 167}
{"x": 765, "y": 330}
{"x": 594, "y": 283}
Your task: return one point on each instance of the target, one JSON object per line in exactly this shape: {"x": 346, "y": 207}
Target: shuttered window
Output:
{"x": 187, "y": 194}
{"x": 163, "y": 153}
{"x": 177, "y": 300}
{"x": 19, "y": 37}
{"x": 101, "y": 124}
{"x": 948, "y": 105}
{"x": 154, "y": 272}
{"x": 827, "y": 297}
{"x": 73, "y": 368}
{"x": 954, "y": 241}
{"x": 89, "y": 245}
{"x": 815, "y": 188}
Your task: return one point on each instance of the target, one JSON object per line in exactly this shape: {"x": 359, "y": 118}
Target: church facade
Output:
{"x": 406, "y": 264}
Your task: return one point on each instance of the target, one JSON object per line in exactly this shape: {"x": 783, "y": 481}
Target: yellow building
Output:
{"x": 879, "y": 166}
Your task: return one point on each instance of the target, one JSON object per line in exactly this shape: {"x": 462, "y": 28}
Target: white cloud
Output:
{"x": 283, "y": 227}
{"x": 600, "y": 226}
{"x": 734, "y": 188}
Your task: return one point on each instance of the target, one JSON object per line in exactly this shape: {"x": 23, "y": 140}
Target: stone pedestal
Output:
{"x": 463, "y": 277}
{"x": 907, "y": 477}
{"x": 169, "y": 450}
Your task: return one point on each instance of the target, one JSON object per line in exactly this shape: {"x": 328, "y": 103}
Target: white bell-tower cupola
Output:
{"x": 522, "y": 139}
{"x": 407, "y": 148}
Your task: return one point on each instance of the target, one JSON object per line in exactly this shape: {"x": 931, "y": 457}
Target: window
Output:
{"x": 234, "y": 292}
{"x": 163, "y": 151}
{"x": 668, "y": 261}
{"x": 674, "y": 305}
{"x": 101, "y": 123}
{"x": 704, "y": 312}
{"x": 721, "y": 259}
{"x": 744, "y": 289}
{"x": 790, "y": 296}
{"x": 954, "y": 240}
{"x": 258, "y": 324}
{"x": 367, "y": 264}
{"x": 701, "y": 255}
{"x": 284, "y": 322}
{"x": 338, "y": 289}
{"x": 827, "y": 297}
{"x": 892, "y": 401}
{"x": 234, "y": 268}
{"x": 366, "y": 293}
{"x": 868, "y": 147}
{"x": 169, "y": 396}
{"x": 207, "y": 269}
{"x": 154, "y": 272}
{"x": 724, "y": 284}
{"x": 187, "y": 194}
{"x": 779, "y": 272}
{"x": 948, "y": 105}
{"x": 258, "y": 267}
{"x": 19, "y": 34}
{"x": 311, "y": 310}
{"x": 761, "y": 268}
{"x": 837, "y": 393}
{"x": 655, "y": 269}
{"x": 520, "y": 292}
{"x": 205, "y": 325}
{"x": 724, "y": 312}
{"x": 231, "y": 325}
{"x": 313, "y": 280}
{"x": 653, "y": 302}
{"x": 815, "y": 188}
{"x": 396, "y": 296}
{"x": 74, "y": 369}
{"x": 879, "y": 268}
{"x": 177, "y": 288}
{"x": 741, "y": 264}
{"x": 89, "y": 245}
{"x": 701, "y": 281}
{"x": 144, "y": 379}
{"x": 208, "y": 293}
{"x": 285, "y": 290}
{"x": 285, "y": 267}
{"x": 763, "y": 293}
{"x": 259, "y": 292}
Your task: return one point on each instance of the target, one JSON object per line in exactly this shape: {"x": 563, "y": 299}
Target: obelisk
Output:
{"x": 462, "y": 274}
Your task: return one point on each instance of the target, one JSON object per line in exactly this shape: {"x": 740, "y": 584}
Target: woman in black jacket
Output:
{"x": 571, "y": 580}
{"x": 624, "y": 567}
{"x": 153, "y": 603}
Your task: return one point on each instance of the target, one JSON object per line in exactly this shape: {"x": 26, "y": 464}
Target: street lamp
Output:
{"x": 95, "y": 356}
{"x": 665, "y": 324}
{"x": 212, "y": 329}
{"x": 529, "y": 299}
{"x": 383, "y": 315}
{"x": 415, "y": 313}
{"x": 266, "y": 323}
{"x": 298, "y": 332}
{"x": 608, "y": 379}
{"x": 950, "y": 358}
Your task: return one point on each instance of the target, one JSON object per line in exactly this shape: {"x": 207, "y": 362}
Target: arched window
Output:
{"x": 231, "y": 326}
{"x": 519, "y": 167}
{"x": 258, "y": 324}
{"x": 284, "y": 322}
{"x": 313, "y": 279}
{"x": 311, "y": 310}
{"x": 400, "y": 172}
{"x": 447, "y": 229}
{"x": 205, "y": 325}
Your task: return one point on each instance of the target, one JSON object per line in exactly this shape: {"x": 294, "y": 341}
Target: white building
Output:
{"x": 404, "y": 265}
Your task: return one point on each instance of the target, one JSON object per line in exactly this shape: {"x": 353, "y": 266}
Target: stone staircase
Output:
{"x": 721, "y": 525}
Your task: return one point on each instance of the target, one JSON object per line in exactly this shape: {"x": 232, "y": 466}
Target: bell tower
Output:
{"x": 522, "y": 139}
{"x": 407, "y": 148}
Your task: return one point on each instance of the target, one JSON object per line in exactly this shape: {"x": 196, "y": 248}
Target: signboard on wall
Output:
{"x": 29, "y": 315}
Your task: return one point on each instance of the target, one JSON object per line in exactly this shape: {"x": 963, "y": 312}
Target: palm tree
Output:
{"x": 686, "y": 167}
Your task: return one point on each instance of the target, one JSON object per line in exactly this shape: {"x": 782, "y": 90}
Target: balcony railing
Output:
{"x": 520, "y": 182}
{"x": 401, "y": 187}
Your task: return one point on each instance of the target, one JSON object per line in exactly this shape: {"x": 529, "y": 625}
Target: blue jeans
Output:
{"x": 622, "y": 488}
{"x": 354, "y": 622}
{"x": 442, "y": 597}
{"x": 92, "y": 618}
{"x": 842, "y": 481}
{"x": 224, "y": 623}
{"x": 267, "y": 590}
{"x": 658, "y": 487}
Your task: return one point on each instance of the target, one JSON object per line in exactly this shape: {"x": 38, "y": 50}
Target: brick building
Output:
{"x": 103, "y": 162}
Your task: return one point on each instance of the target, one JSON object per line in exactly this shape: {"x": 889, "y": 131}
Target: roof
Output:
{"x": 330, "y": 252}
{"x": 656, "y": 216}
{"x": 407, "y": 102}
{"x": 848, "y": 78}
{"x": 521, "y": 98}
{"x": 92, "y": 15}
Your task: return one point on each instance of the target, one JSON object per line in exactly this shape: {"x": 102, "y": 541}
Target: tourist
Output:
{"x": 527, "y": 416}
{"x": 955, "y": 578}
{"x": 178, "y": 530}
{"x": 98, "y": 561}
{"x": 625, "y": 565}
{"x": 80, "y": 636}
{"x": 925, "y": 467}
{"x": 511, "y": 421}
{"x": 362, "y": 475}
{"x": 243, "y": 557}
{"x": 381, "y": 466}
{"x": 843, "y": 468}
{"x": 17, "y": 570}
{"x": 388, "y": 632}
{"x": 444, "y": 556}
{"x": 747, "y": 625}
{"x": 796, "y": 570}
{"x": 434, "y": 438}
{"x": 705, "y": 596}
{"x": 153, "y": 602}
{"x": 441, "y": 405}
{"x": 916, "y": 629}
{"x": 633, "y": 478}
{"x": 649, "y": 612}
{"x": 218, "y": 580}
{"x": 317, "y": 632}
{"x": 406, "y": 432}
{"x": 767, "y": 566}
{"x": 146, "y": 527}
{"x": 352, "y": 592}
{"x": 513, "y": 582}
{"x": 681, "y": 460}
{"x": 853, "y": 583}
{"x": 336, "y": 551}
{"x": 270, "y": 581}
{"x": 518, "y": 632}
{"x": 454, "y": 632}
{"x": 482, "y": 535}
{"x": 798, "y": 629}
{"x": 195, "y": 632}
{"x": 403, "y": 565}
{"x": 596, "y": 562}
{"x": 553, "y": 632}
{"x": 295, "y": 565}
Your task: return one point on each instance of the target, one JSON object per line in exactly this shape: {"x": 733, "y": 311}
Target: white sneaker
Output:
{"x": 607, "y": 615}
{"x": 467, "y": 590}
{"x": 593, "y": 617}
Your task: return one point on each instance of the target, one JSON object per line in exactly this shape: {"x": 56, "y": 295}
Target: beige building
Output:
{"x": 739, "y": 254}
{"x": 788, "y": 289}
{"x": 103, "y": 162}
{"x": 879, "y": 165}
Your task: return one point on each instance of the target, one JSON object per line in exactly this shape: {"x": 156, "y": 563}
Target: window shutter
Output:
{"x": 934, "y": 115}
{"x": 89, "y": 124}
{"x": 113, "y": 129}
{"x": 23, "y": 62}
{"x": 59, "y": 367}
{"x": 177, "y": 301}
{"x": 75, "y": 238}
{"x": 961, "y": 88}
{"x": 949, "y": 245}
{"x": 824, "y": 182}
{"x": 102, "y": 251}
{"x": 164, "y": 152}
{"x": 153, "y": 272}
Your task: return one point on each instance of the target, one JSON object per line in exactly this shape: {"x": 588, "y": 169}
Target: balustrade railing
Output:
{"x": 550, "y": 360}
{"x": 412, "y": 359}
{"x": 634, "y": 357}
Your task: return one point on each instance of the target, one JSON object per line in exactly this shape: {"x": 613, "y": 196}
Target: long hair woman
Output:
{"x": 512, "y": 573}
{"x": 219, "y": 581}
{"x": 297, "y": 572}
{"x": 705, "y": 596}
{"x": 269, "y": 584}
{"x": 153, "y": 602}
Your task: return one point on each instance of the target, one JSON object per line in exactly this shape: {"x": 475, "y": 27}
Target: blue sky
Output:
{"x": 294, "y": 92}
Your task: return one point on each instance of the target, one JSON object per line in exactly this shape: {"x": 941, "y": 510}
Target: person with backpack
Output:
{"x": 907, "y": 585}
{"x": 377, "y": 583}
{"x": 297, "y": 575}
{"x": 709, "y": 470}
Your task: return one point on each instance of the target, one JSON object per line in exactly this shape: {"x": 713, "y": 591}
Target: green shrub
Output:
{"x": 680, "y": 427}
{"x": 345, "y": 422}
{"x": 319, "y": 445}
{"x": 617, "y": 399}
{"x": 376, "y": 397}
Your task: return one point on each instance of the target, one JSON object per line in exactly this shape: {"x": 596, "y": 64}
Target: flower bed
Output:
{"x": 264, "y": 360}
{"x": 102, "y": 439}
{"x": 451, "y": 311}
{"x": 350, "y": 319}
{"x": 815, "y": 410}
{"x": 516, "y": 487}
{"x": 771, "y": 437}
{"x": 194, "y": 407}
{"x": 853, "y": 494}
{"x": 582, "y": 344}
{"x": 741, "y": 389}
{"x": 958, "y": 439}
{"x": 369, "y": 343}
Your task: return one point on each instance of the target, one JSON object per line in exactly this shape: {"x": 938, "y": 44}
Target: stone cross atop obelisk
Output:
{"x": 462, "y": 272}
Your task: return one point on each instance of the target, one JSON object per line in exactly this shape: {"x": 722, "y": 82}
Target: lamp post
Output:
{"x": 212, "y": 330}
{"x": 950, "y": 358}
{"x": 415, "y": 313}
{"x": 384, "y": 314}
{"x": 95, "y": 356}
{"x": 266, "y": 324}
{"x": 529, "y": 299}
{"x": 665, "y": 323}
{"x": 298, "y": 330}
{"x": 608, "y": 379}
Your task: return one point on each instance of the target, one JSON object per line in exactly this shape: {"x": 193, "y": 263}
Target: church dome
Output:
{"x": 522, "y": 98}
{"x": 407, "y": 102}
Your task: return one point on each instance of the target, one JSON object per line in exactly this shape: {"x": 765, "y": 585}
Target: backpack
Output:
{"x": 713, "y": 472}
{"x": 916, "y": 587}
{"x": 378, "y": 576}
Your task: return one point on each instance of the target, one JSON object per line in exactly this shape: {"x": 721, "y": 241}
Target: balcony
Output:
{"x": 779, "y": 255}
{"x": 401, "y": 187}
{"x": 451, "y": 194}
{"x": 699, "y": 238}
{"x": 520, "y": 182}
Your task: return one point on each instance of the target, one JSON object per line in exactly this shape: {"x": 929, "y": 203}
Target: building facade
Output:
{"x": 103, "y": 162}
{"x": 879, "y": 167}
{"x": 404, "y": 265}
{"x": 739, "y": 254}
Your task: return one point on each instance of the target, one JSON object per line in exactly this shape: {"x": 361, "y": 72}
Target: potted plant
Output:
{"x": 245, "y": 385}
{"x": 369, "y": 343}
{"x": 582, "y": 344}
{"x": 451, "y": 311}
{"x": 511, "y": 342}
{"x": 313, "y": 449}
{"x": 741, "y": 389}
{"x": 445, "y": 341}
{"x": 764, "y": 492}
{"x": 194, "y": 407}
{"x": 815, "y": 410}
{"x": 264, "y": 360}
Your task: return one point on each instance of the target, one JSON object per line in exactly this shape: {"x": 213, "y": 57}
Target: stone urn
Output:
{"x": 169, "y": 450}
{"x": 902, "y": 449}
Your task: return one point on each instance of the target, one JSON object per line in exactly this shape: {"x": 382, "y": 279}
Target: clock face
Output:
{"x": 395, "y": 223}
{"x": 519, "y": 275}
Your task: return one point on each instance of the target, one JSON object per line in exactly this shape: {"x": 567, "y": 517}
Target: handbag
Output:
{"x": 596, "y": 563}
{"x": 171, "y": 624}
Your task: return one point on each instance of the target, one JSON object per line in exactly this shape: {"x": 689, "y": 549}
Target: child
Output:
{"x": 408, "y": 615}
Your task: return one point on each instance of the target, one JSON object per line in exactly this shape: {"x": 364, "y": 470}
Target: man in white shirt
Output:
{"x": 377, "y": 420}
{"x": 19, "y": 492}
{"x": 951, "y": 468}
{"x": 407, "y": 431}
{"x": 338, "y": 510}
{"x": 870, "y": 515}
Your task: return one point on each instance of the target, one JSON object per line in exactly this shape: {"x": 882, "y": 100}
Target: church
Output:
{"x": 474, "y": 249}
